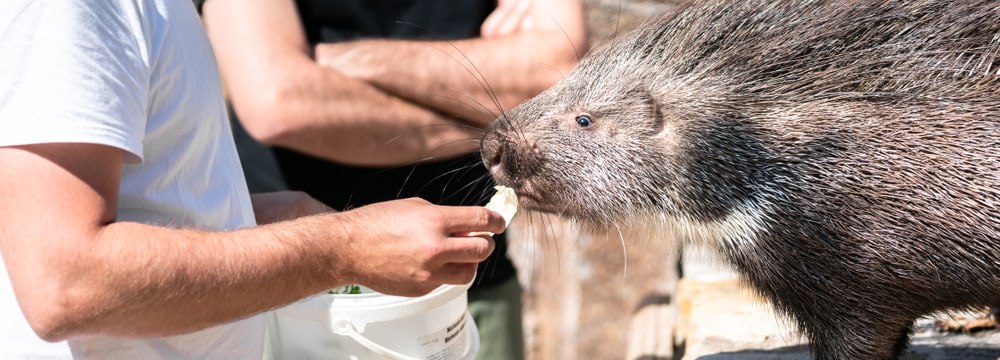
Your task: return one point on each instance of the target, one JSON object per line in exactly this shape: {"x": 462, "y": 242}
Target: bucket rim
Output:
{"x": 373, "y": 307}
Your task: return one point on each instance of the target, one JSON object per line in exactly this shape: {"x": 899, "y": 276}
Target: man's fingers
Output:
{"x": 467, "y": 249}
{"x": 515, "y": 17}
{"x": 474, "y": 219}
{"x": 506, "y": 18}
{"x": 457, "y": 273}
{"x": 491, "y": 25}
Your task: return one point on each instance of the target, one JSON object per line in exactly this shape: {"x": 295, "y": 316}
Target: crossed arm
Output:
{"x": 76, "y": 271}
{"x": 387, "y": 102}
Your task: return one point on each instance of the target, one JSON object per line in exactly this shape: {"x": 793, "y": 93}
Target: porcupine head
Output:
{"x": 633, "y": 139}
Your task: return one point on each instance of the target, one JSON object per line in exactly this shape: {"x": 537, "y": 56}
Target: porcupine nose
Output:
{"x": 510, "y": 154}
{"x": 494, "y": 147}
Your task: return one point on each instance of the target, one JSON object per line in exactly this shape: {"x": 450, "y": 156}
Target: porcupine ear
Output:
{"x": 640, "y": 100}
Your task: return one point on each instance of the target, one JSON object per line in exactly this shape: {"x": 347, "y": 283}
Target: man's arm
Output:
{"x": 530, "y": 46}
{"x": 78, "y": 272}
{"x": 272, "y": 207}
{"x": 284, "y": 98}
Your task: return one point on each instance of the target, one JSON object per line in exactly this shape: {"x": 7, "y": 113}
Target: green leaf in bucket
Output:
{"x": 346, "y": 290}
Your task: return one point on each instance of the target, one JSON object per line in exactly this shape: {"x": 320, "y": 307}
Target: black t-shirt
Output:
{"x": 459, "y": 181}
{"x": 339, "y": 20}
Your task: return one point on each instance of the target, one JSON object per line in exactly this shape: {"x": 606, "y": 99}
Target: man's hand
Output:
{"x": 409, "y": 247}
{"x": 510, "y": 16}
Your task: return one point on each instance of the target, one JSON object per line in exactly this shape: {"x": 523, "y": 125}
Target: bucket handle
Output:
{"x": 345, "y": 327}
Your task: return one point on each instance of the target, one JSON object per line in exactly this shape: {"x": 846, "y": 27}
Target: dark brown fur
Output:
{"x": 852, "y": 147}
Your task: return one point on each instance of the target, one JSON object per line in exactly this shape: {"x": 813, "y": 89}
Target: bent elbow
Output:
{"x": 563, "y": 66}
{"x": 567, "y": 59}
{"x": 50, "y": 331}
{"x": 263, "y": 117}
{"x": 54, "y": 318}
{"x": 563, "y": 57}
{"x": 62, "y": 301}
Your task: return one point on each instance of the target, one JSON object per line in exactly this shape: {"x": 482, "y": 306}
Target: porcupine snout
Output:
{"x": 508, "y": 156}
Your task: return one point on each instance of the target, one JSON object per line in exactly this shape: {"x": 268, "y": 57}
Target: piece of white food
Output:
{"x": 504, "y": 201}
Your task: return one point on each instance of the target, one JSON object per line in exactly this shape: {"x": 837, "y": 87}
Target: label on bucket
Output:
{"x": 450, "y": 343}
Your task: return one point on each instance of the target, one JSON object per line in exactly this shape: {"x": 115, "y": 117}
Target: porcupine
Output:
{"x": 843, "y": 156}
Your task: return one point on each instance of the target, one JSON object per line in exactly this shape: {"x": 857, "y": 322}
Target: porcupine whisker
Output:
{"x": 485, "y": 192}
{"x": 466, "y": 167}
{"x": 452, "y": 173}
{"x": 431, "y": 158}
{"x": 576, "y": 51}
{"x": 624, "y": 251}
{"x": 548, "y": 236}
{"x": 457, "y": 125}
{"x": 472, "y": 69}
{"x": 473, "y": 104}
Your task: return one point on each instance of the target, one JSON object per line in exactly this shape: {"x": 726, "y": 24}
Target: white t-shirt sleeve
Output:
{"x": 72, "y": 72}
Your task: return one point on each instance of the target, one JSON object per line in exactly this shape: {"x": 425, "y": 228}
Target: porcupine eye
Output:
{"x": 584, "y": 120}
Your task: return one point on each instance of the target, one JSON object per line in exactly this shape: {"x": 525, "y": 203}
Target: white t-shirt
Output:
{"x": 138, "y": 75}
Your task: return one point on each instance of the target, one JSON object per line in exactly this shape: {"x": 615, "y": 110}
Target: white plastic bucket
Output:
{"x": 436, "y": 326}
